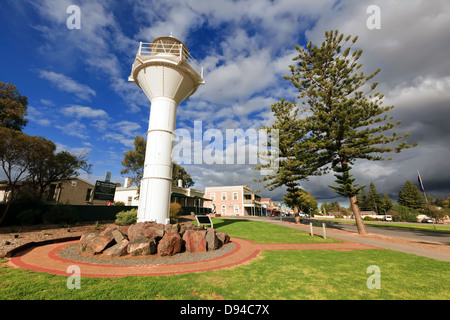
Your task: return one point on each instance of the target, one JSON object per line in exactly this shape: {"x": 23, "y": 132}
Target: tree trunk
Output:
{"x": 297, "y": 217}
{"x": 359, "y": 221}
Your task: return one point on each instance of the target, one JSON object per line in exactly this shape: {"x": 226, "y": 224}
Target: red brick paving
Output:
{"x": 44, "y": 259}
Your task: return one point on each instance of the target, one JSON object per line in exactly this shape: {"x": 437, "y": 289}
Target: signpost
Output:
{"x": 204, "y": 220}
{"x": 104, "y": 190}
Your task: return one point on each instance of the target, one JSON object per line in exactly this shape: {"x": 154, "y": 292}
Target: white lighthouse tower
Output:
{"x": 167, "y": 74}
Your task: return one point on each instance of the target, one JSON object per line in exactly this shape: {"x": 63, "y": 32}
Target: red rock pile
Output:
{"x": 146, "y": 238}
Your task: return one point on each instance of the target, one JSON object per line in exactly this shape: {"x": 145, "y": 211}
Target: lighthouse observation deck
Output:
{"x": 166, "y": 50}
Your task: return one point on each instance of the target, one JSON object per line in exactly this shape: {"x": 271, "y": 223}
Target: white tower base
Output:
{"x": 156, "y": 183}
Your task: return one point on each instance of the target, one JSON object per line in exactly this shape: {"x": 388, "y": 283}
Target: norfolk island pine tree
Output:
{"x": 343, "y": 121}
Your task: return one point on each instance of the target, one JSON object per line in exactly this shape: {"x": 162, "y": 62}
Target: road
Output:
{"x": 417, "y": 235}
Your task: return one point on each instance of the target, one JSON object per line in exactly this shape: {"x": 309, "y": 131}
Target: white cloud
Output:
{"x": 79, "y": 112}
{"x": 67, "y": 84}
{"x": 75, "y": 129}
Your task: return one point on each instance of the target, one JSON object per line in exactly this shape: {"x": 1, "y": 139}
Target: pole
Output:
{"x": 426, "y": 199}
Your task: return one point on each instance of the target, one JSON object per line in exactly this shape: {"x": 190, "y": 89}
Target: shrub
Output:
{"x": 174, "y": 211}
{"x": 61, "y": 214}
{"x": 367, "y": 218}
{"x": 402, "y": 213}
{"x": 126, "y": 218}
{"x": 30, "y": 217}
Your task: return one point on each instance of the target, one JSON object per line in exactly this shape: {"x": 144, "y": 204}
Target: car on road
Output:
{"x": 387, "y": 218}
{"x": 427, "y": 220}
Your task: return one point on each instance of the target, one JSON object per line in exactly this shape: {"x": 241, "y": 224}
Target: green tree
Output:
{"x": 410, "y": 196}
{"x": 179, "y": 173}
{"x": 18, "y": 152}
{"x": 13, "y": 107}
{"x": 288, "y": 132}
{"x": 386, "y": 204}
{"x": 344, "y": 121}
{"x": 362, "y": 200}
{"x": 134, "y": 159}
{"x": 374, "y": 200}
{"x": 50, "y": 167}
{"x": 304, "y": 201}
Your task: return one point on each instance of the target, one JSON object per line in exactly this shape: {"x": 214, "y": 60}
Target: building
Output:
{"x": 191, "y": 200}
{"x": 73, "y": 190}
{"x": 234, "y": 200}
{"x": 269, "y": 208}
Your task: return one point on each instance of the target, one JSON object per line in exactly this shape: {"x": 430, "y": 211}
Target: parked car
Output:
{"x": 387, "y": 218}
{"x": 427, "y": 220}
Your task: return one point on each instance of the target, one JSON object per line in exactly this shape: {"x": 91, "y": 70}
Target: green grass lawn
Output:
{"x": 263, "y": 232}
{"x": 285, "y": 275}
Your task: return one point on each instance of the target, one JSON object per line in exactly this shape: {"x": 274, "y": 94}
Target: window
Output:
{"x": 213, "y": 196}
{"x": 224, "y": 209}
{"x": 235, "y": 195}
{"x": 88, "y": 195}
{"x": 130, "y": 199}
{"x": 74, "y": 183}
{"x": 224, "y": 196}
{"x": 236, "y": 209}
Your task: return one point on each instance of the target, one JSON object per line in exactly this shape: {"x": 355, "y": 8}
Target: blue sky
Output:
{"x": 79, "y": 97}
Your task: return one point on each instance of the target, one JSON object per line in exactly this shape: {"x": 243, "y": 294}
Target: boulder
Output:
{"x": 213, "y": 242}
{"x": 170, "y": 244}
{"x": 172, "y": 228}
{"x": 117, "y": 250}
{"x": 145, "y": 229}
{"x": 99, "y": 243}
{"x": 195, "y": 241}
{"x": 86, "y": 239}
{"x": 135, "y": 230}
{"x": 124, "y": 230}
{"x": 119, "y": 236}
{"x": 223, "y": 237}
{"x": 141, "y": 246}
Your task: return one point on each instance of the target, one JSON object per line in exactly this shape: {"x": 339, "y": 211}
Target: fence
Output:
{"x": 22, "y": 214}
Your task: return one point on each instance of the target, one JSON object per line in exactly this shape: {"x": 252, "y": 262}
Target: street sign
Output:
{"x": 104, "y": 191}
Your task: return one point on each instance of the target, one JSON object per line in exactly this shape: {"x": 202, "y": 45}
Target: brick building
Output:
{"x": 234, "y": 200}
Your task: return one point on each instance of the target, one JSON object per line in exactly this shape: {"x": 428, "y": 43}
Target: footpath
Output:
{"x": 428, "y": 249}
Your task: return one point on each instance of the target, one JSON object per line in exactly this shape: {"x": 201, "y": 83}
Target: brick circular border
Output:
{"x": 44, "y": 259}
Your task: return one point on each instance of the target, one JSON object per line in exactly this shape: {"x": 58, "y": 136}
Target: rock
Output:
{"x": 156, "y": 225}
{"x": 119, "y": 236}
{"x": 86, "y": 239}
{"x": 124, "y": 230}
{"x": 223, "y": 237}
{"x": 99, "y": 243}
{"x": 117, "y": 250}
{"x": 135, "y": 230}
{"x": 145, "y": 229}
{"x": 172, "y": 228}
{"x": 153, "y": 233}
{"x": 170, "y": 244}
{"x": 195, "y": 241}
{"x": 141, "y": 246}
{"x": 213, "y": 243}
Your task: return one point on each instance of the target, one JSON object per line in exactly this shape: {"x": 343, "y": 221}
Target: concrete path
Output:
{"x": 45, "y": 259}
{"x": 406, "y": 246}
